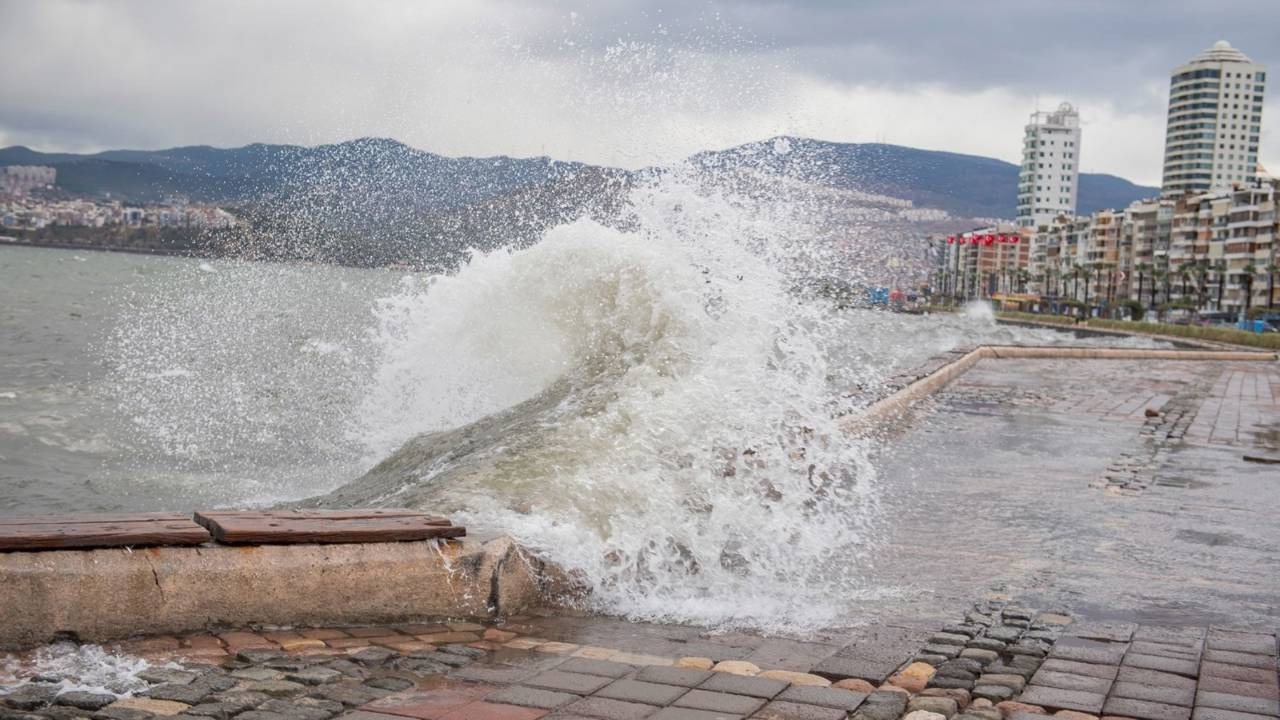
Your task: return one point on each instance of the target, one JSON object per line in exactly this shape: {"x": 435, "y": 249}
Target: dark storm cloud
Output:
{"x": 624, "y": 82}
{"x": 1087, "y": 47}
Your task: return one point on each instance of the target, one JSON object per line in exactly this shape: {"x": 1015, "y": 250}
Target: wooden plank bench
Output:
{"x": 98, "y": 530}
{"x": 275, "y": 527}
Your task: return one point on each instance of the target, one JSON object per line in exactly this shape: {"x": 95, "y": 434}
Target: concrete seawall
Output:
{"x": 894, "y": 405}
{"x": 100, "y": 595}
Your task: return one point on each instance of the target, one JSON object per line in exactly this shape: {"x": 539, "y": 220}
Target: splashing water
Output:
{"x": 979, "y": 312}
{"x": 90, "y": 668}
{"x": 651, "y": 408}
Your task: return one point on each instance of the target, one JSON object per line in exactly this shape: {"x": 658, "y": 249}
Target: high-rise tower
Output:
{"x": 1215, "y": 120}
{"x": 1048, "y": 178}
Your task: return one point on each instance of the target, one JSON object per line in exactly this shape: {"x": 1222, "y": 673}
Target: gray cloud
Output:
{"x": 617, "y": 82}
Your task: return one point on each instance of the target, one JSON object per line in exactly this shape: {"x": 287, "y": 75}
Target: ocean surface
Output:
{"x": 658, "y": 409}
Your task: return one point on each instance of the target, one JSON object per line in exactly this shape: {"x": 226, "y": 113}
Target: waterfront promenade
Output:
{"x": 1066, "y": 536}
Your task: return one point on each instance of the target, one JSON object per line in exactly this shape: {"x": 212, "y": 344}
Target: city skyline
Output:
{"x": 618, "y": 84}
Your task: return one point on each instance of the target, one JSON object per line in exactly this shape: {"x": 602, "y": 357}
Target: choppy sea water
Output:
{"x": 657, "y": 408}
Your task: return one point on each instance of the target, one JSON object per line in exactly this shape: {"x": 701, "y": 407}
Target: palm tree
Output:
{"x": 1159, "y": 280}
{"x": 1142, "y": 270}
{"x": 1088, "y": 273}
{"x": 1247, "y": 274}
{"x": 1271, "y": 269}
{"x": 1202, "y": 283}
{"x": 1221, "y": 268}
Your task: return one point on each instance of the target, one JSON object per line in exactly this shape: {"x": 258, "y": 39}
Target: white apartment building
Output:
{"x": 1215, "y": 121}
{"x": 1049, "y": 177}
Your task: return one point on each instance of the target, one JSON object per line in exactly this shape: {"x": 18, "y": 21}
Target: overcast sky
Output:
{"x": 622, "y": 82}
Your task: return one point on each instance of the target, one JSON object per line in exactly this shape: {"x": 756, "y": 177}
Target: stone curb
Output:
{"x": 895, "y": 404}
{"x": 108, "y": 594}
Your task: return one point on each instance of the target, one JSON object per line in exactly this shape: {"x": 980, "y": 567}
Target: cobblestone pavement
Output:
{"x": 996, "y": 662}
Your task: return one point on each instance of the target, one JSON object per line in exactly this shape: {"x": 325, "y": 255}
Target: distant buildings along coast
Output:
{"x": 22, "y": 209}
{"x": 1207, "y": 244}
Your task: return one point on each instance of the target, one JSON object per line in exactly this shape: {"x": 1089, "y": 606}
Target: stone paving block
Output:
{"x": 742, "y": 685}
{"x": 531, "y": 697}
{"x": 1059, "y": 699}
{"x": 1000, "y": 668}
{"x": 498, "y": 674}
{"x": 985, "y": 657}
{"x": 1229, "y": 657}
{"x": 1145, "y": 710}
{"x": 1262, "y": 676}
{"x": 1013, "y": 682}
{"x": 1183, "y": 696}
{"x": 1189, "y": 668}
{"x": 784, "y": 710}
{"x": 1089, "y": 651}
{"x": 567, "y": 682}
{"x": 1208, "y": 713}
{"x": 494, "y": 711}
{"x": 1184, "y": 652}
{"x": 430, "y": 705}
{"x": 987, "y": 644}
{"x": 1155, "y": 677}
{"x": 1003, "y": 634}
{"x": 589, "y": 666}
{"x": 679, "y": 713}
{"x": 1067, "y": 681}
{"x": 1186, "y": 636}
{"x": 847, "y": 700}
{"x": 994, "y": 693}
{"x": 606, "y": 709}
{"x": 945, "y": 638}
{"x": 642, "y": 692}
{"x": 1238, "y": 687}
{"x": 687, "y": 677}
{"x": 1238, "y": 703}
{"x": 1079, "y": 668}
{"x": 895, "y": 702}
{"x": 726, "y": 703}
{"x": 873, "y": 655}
{"x": 1253, "y": 643}
{"x": 367, "y": 715}
{"x": 1110, "y": 632}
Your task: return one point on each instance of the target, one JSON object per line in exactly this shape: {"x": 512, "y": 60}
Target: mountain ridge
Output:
{"x": 962, "y": 184}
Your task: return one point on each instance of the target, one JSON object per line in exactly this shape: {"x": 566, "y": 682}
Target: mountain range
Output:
{"x": 404, "y": 178}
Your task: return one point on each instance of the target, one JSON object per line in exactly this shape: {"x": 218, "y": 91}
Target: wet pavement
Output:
{"x": 1010, "y": 482}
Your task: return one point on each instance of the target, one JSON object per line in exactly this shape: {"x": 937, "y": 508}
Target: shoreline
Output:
{"x": 10, "y": 241}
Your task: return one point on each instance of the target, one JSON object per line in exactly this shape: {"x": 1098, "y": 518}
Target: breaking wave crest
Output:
{"x": 651, "y": 408}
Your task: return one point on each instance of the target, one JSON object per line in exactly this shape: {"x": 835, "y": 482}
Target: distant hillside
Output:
{"x": 371, "y": 168}
{"x": 963, "y": 185}
{"x": 371, "y": 182}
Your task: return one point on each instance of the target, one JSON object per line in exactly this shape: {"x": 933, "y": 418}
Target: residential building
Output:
{"x": 1048, "y": 179}
{"x": 19, "y": 179}
{"x": 1208, "y": 252}
{"x": 1215, "y": 121}
{"x": 984, "y": 262}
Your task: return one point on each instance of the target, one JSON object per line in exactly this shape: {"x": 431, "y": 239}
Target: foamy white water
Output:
{"x": 74, "y": 667}
{"x": 651, "y": 408}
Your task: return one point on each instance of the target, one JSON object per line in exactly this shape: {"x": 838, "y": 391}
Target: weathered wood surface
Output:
{"x": 85, "y": 531}
{"x": 325, "y": 526}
